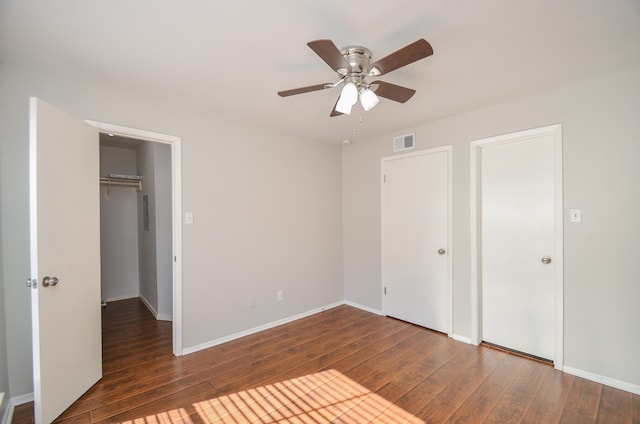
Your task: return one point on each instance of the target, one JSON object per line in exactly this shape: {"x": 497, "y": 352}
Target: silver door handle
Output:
{"x": 441, "y": 251}
{"x": 546, "y": 260}
{"x": 49, "y": 281}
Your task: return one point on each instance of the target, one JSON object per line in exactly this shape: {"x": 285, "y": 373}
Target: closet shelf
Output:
{"x": 134, "y": 181}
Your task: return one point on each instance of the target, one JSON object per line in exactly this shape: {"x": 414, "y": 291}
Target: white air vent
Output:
{"x": 404, "y": 142}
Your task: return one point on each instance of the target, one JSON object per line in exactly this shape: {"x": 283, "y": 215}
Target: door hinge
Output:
{"x": 384, "y": 178}
{"x": 33, "y": 283}
{"x": 385, "y": 289}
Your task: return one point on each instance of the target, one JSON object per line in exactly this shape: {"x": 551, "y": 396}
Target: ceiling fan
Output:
{"x": 353, "y": 65}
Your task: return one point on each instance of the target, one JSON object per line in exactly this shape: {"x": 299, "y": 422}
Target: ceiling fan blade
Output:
{"x": 301, "y": 90}
{"x": 406, "y": 55}
{"x": 329, "y": 53}
{"x": 392, "y": 92}
{"x": 334, "y": 112}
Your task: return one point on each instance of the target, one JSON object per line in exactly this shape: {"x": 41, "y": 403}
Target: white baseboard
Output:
{"x": 330, "y": 306}
{"x": 115, "y": 299}
{"x": 21, "y": 400}
{"x": 149, "y": 307}
{"x": 462, "y": 339}
{"x": 608, "y": 381}
{"x": 7, "y": 417}
{"x": 206, "y": 345}
{"x": 364, "y": 308}
{"x": 164, "y": 317}
{"x": 156, "y": 315}
{"x": 161, "y": 317}
{"x": 12, "y": 403}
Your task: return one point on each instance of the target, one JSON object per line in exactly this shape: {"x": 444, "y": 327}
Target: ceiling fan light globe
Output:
{"x": 349, "y": 94}
{"x": 368, "y": 99}
{"x": 343, "y": 107}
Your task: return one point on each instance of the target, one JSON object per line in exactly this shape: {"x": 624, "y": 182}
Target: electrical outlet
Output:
{"x": 280, "y": 296}
{"x": 251, "y": 302}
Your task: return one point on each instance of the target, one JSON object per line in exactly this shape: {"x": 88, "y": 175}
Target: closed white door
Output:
{"x": 65, "y": 258}
{"x": 518, "y": 244}
{"x": 415, "y": 238}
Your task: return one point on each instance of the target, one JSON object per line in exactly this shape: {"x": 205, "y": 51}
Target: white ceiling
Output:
{"x": 232, "y": 56}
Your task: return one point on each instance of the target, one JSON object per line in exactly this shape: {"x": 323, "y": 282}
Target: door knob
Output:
{"x": 49, "y": 281}
{"x": 546, "y": 260}
{"x": 441, "y": 251}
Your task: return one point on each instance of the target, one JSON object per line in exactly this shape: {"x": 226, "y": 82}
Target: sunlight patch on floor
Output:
{"x": 324, "y": 397}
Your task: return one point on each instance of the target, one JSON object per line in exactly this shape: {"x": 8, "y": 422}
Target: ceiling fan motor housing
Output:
{"x": 359, "y": 59}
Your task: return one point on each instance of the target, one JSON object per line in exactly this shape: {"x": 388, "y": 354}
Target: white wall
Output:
{"x": 147, "y": 236}
{"x": 4, "y": 368}
{"x": 267, "y": 210}
{"x": 118, "y": 227}
{"x": 15, "y": 230}
{"x": 601, "y": 148}
{"x": 156, "y": 243}
{"x": 267, "y": 217}
{"x": 164, "y": 226}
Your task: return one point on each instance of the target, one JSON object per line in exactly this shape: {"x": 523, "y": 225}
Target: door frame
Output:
{"x": 555, "y": 131}
{"x": 176, "y": 194}
{"x": 449, "y": 150}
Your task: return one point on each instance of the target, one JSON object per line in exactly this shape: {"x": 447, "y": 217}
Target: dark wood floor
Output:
{"x": 342, "y": 365}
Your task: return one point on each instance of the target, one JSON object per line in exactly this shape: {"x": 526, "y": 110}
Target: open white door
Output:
{"x": 65, "y": 258}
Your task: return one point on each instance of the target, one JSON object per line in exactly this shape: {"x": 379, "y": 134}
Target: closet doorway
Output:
{"x": 135, "y": 222}
{"x": 140, "y": 221}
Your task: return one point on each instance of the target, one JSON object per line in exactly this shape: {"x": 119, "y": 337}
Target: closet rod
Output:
{"x": 112, "y": 181}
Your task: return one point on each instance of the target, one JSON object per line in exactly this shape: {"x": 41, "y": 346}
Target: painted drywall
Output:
{"x": 4, "y": 368}
{"x": 601, "y": 147}
{"x": 267, "y": 217}
{"x": 118, "y": 227}
{"x": 267, "y": 209}
{"x": 15, "y": 230}
{"x": 164, "y": 224}
{"x": 147, "y": 227}
{"x": 155, "y": 242}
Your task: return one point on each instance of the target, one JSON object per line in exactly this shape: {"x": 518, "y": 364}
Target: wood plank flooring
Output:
{"x": 342, "y": 365}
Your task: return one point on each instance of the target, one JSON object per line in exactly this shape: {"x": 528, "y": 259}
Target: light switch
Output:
{"x": 188, "y": 217}
{"x": 575, "y": 215}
